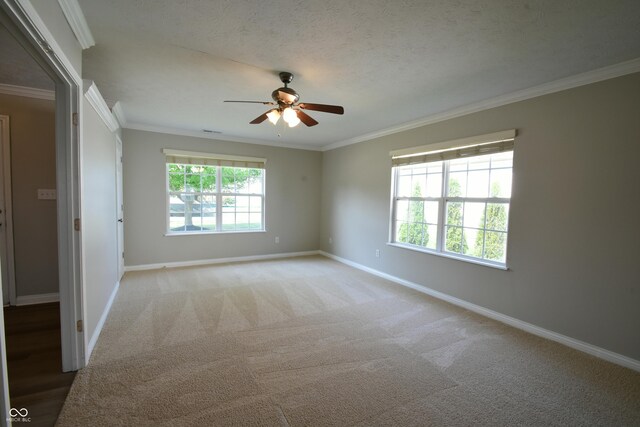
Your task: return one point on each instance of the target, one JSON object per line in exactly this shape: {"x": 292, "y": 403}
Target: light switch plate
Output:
{"x": 44, "y": 194}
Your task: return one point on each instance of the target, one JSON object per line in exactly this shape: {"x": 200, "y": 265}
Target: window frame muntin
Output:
{"x": 442, "y": 203}
{"x": 218, "y": 195}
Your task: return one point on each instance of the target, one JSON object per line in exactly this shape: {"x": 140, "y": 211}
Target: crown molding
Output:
{"x": 27, "y": 92}
{"x": 118, "y": 113}
{"x": 594, "y": 76}
{"x": 77, "y": 22}
{"x": 92, "y": 94}
{"x": 45, "y": 38}
{"x": 217, "y": 137}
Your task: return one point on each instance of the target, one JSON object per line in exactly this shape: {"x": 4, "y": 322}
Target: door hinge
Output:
{"x": 76, "y": 224}
{"x": 79, "y": 325}
{"x": 74, "y": 119}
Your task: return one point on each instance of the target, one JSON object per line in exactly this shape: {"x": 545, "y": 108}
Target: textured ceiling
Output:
{"x": 17, "y": 67}
{"x": 172, "y": 63}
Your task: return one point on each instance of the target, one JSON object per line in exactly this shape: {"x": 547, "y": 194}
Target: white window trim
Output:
{"x": 442, "y": 201}
{"x": 218, "y": 195}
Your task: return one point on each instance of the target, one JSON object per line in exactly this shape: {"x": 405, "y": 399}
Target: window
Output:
{"x": 454, "y": 201}
{"x": 214, "y": 193}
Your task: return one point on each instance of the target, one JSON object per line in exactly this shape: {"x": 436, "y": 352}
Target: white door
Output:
{"x": 6, "y": 223}
{"x": 119, "y": 208}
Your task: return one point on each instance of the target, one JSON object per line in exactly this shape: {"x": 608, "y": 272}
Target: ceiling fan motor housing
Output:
{"x": 285, "y": 95}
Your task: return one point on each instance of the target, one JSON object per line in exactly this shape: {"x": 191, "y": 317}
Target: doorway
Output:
{"x": 22, "y": 23}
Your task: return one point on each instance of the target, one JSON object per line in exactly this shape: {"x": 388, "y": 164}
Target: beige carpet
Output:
{"x": 309, "y": 341}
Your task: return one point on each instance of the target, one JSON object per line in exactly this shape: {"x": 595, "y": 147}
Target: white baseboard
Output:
{"x": 591, "y": 349}
{"x": 103, "y": 318}
{"x": 217, "y": 261}
{"x": 37, "y": 299}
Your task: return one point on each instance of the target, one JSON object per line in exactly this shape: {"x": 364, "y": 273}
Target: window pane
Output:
{"x": 457, "y": 184}
{"x": 502, "y": 160}
{"x": 241, "y": 176}
{"x": 208, "y": 183}
{"x": 479, "y": 162}
{"x": 255, "y": 204}
{"x": 435, "y": 167}
{"x": 191, "y": 210}
{"x": 474, "y": 214}
{"x": 228, "y": 204}
{"x": 416, "y": 211}
{"x": 497, "y": 215}
{"x": 401, "y": 225}
{"x": 431, "y": 234}
{"x": 208, "y": 207}
{"x": 478, "y": 184}
{"x": 242, "y": 221}
{"x": 454, "y": 213}
{"x": 255, "y": 220}
{"x": 404, "y": 186}
{"x": 458, "y": 165}
{"x": 176, "y": 214}
{"x": 242, "y": 204}
{"x": 473, "y": 239}
{"x": 192, "y": 183}
{"x": 410, "y": 233}
{"x": 175, "y": 168}
{"x": 194, "y": 169}
{"x": 501, "y": 183}
{"x": 402, "y": 210}
{"x": 495, "y": 246}
{"x": 255, "y": 184}
{"x": 228, "y": 180}
{"x": 454, "y": 240}
{"x": 431, "y": 212}
{"x": 419, "y": 186}
{"x": 434, "y": 185}
{"x": 176, "y": 182}
{"x": 228, "y": 221}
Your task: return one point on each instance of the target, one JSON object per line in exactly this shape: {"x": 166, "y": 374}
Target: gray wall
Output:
{"x": 292, "y": 201}
{"x": 56, "y": 22}
{"x": 33, "y": 166}
{"x": 573, "y": 251}
{"x": 99, "y": 231}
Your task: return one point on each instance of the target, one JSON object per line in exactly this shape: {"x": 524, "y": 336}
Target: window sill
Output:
{"x": 205, "y": 233}
{"x": 447, "y": 255}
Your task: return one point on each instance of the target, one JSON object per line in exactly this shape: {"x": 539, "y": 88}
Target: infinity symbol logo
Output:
{"x": 22, "y": 412}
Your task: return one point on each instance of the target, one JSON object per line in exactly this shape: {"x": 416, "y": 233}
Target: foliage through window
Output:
{"x": 204, "y": 198}
{"x": 458, "y": 206}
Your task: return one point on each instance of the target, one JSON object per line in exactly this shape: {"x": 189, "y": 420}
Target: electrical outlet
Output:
{"x": 330, "y": 240}
{"x": 46, "y": 194}
{"x": 377, "y": 253}
{"x": 277, "y": 239}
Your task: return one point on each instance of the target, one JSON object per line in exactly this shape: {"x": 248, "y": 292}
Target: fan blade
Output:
{"x": 306, "y": 119}
{"x": 334, "y": 109}
{"x": 259, "y": 119}
{"x": 254, "y": 102}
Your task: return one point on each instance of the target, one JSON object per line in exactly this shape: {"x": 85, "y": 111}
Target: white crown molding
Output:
{"x": 118, "y": 113}
{"x": 594, "y": 76}
{"x": 27, "y": 92}
{"x": 92, "y": 94}
{"x": 77, "y": 22}
{"x": 585, "y": 347}
{"x": 46, "y": 40}
{"x": 218, "y": 137}
{"x": 213, "y": 261}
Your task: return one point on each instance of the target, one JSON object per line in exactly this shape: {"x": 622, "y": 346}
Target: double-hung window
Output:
{"x": 214, "y": 193}
{"x": 453, "y": 198}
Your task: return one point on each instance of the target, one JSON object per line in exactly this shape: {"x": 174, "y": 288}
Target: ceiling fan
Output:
{"x": 287, "y": 106}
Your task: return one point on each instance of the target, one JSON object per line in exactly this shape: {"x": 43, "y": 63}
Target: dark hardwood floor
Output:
{"x": 34, "y": 359}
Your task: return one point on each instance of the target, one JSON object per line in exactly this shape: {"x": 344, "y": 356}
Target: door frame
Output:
{"x": 119, "y": 207}
{"x": 24, "y": 23}
{"x": 5, "y": 140}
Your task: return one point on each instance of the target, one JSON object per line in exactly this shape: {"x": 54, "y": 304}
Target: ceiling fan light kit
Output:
{"x": 286, "y": 99}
